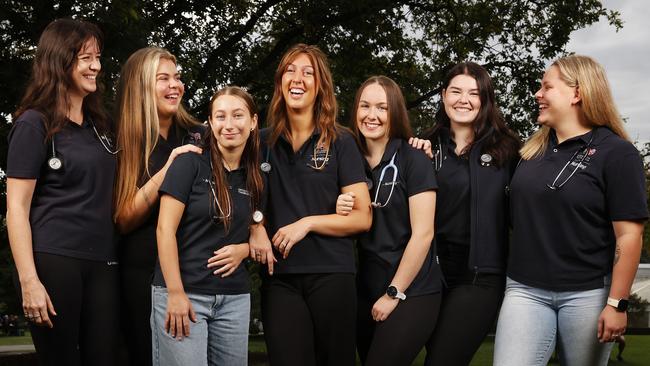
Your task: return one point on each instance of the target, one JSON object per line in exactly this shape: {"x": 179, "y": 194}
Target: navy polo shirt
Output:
{"x": 453, "y": 199}
{"x": 138, "y": 248}
{"x": 563, "y": 239}
{"x": 71, "y": 210}
{"x": 295, "y": 190}
{"x": 381, "y": 249}
{"x": 199, "y": 235}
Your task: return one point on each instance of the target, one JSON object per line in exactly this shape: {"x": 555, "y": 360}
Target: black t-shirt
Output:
{"x": 381, "y": 249}
{"x": 71, "y": 210}
{"x": 138, "y": 248}
{"x": 453, "y": 199}
{"x": 563, "y": 239}
{"x": 295, "y": 190}
{"x": 199, "y": 235}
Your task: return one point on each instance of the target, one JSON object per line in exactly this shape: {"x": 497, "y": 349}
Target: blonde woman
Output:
{"x": 577, "y": 205}
{"x": 153, "y": 129}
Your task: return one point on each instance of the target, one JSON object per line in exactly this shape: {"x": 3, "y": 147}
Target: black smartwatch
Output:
{"x": 394, "y": 293}
{"x": 620, "y": 305}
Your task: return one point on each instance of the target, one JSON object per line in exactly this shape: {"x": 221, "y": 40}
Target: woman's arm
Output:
{"x": 359, "y": 219}
{"x": 135, "y": 213}
{"x": 36, "y": 301}
{"x": 261, "y": 249}
{"x": 179, "y": 307}
{"x": 422, "y": 207}
{"x": 612, "y": 323}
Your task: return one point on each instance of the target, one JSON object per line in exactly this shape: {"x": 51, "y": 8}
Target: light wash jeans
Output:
{"x": 219, "y": 337}
{"x": 532, "y": 320}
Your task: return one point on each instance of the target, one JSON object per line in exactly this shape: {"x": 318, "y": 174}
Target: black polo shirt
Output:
{"x": 296, "y": 190}
{"x": 138, "y": 247}
{"x": 453, "y": 199}
{"x": 563, "y": 239}
{"x": 381, "y": 249}
{"x": 199, "y": 235}
{"x": 71, "y": 210}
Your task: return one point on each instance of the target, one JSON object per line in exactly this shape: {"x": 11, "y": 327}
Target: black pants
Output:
{"x": 397, "y": 340}
{"x": 85, "y": 296}
{"x": 309, "y": 319}
{"x": 470, "y": 306}
{"x": 136, "y": 310}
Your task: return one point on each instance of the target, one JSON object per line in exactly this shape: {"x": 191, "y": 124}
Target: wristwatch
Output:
{"x": 258, "y": 216}
{"x": 620, "y": 305}
{"x": 394, "y": 293}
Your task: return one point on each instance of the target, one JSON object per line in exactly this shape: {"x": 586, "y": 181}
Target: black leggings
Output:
{"x": 309, "y": 319}
{"x": 85, "y": 296}
{"x": 470, "y": 305}
{"x": 397, "y": 340}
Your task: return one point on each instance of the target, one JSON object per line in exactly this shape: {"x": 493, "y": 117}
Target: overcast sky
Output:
{"x": 626, "y": 58}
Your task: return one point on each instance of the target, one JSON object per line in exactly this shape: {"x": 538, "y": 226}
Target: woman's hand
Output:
{"x": 611, "y": 324}
{"x": 260, "y": 246}
{"x": 422, "y": 144}
{"x": 287, "y": 236}
{"x": 179, "y": 151}
{"x": 179, "y": 314}
{"x": 228, "y": 258}
{"x": 344, "y": 203}
{"x": 383, "y": 307}
{"x": 36, "y": 303}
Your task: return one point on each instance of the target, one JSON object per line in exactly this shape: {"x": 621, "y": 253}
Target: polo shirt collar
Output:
{"x": 391, "y": 148}
{"x": 583, "y": 139}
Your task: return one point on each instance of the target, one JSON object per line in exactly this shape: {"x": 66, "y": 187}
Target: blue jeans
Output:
{"x": 219, "y": 337}
{"x": 532, "y": 320}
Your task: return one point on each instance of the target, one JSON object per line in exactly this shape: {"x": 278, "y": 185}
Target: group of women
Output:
{"x": 192, "y": 203}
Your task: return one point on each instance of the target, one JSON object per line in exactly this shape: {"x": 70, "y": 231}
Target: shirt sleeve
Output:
{"x": 625, "y": 188}
{"x": 27, "y": 148}
{"x": 180, "y": 177}
{"x": 350, "y": 163}
{"x": 419, "y": 174}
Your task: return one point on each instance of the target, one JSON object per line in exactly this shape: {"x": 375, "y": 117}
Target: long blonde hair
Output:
{"x": 137, "y": 121}
{"x": 596, "y": 104}
{"x": 325, "y": 107}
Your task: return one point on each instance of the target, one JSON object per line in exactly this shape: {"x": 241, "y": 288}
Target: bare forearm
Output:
{"x": 168, "y": 257}
{"x": 20, "y": 240}
{"x": 414, "y": 256}
{"x": 138, "y": 211}
{"x": 339, "y": 226}
{"x": 626, "y": 262}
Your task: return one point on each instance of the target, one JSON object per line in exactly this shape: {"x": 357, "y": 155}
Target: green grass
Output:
{"x": 637, "y": 352}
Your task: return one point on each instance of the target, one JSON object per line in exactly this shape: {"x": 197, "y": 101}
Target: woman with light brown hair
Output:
{"x": 309, "y": 295}
{"x": 578, "y": 204}
{"x": 153, "y": 129}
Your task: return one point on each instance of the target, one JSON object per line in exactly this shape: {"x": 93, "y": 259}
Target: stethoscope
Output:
{"x": 585, "y": 149}
{"x": 216, "y": 200}
{"x": 439, "y": 157}
{"x": 55, "y": 163}
{"x": 265, "y": 166}
{"x": 391, "y": 165}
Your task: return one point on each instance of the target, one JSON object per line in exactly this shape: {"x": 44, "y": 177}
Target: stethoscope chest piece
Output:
{"x": 486, "y": 160}
{"x": 265, "y": 167}
{"x": 54, "y": 163}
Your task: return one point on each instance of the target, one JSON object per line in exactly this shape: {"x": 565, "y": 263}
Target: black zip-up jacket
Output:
{"x": 489, "y": 211}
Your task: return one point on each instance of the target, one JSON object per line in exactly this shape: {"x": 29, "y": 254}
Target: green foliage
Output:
{"x": 240, "y": 42}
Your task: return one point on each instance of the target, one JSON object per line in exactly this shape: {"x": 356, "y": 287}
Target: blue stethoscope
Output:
{"x": 391, "y": 165}
{"x": 439, "y": 157}
{"x": 55, "y": 163}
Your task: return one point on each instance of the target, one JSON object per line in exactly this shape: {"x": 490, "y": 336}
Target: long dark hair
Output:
{"x": 51, "y": 78}
{"x": 489, "y": 125}
{"x": 398, "y": 118}
{"x": 250, "y": 159}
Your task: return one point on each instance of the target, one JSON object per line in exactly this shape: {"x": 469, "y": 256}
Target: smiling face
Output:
{"x": 372, "y": 113}
{"x": 86, "y": 69}
{"x": 299, "y": 84}
{"x": 169, "y": 89}
{"x": 462, "y": 100}
{"x": 556, "y": 99}
{"x": 231, "y": 122}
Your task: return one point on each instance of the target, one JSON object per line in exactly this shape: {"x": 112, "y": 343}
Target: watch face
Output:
{"x": 622, "y": 305}
{"x": 392, "y": 291}
{"x": 258, "y": 216}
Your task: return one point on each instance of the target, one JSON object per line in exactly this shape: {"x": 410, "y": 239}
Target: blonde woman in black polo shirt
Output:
{"x": 309, "y": 302}
{"x": 578, "y": 204}
{"x": 60, "y": 168}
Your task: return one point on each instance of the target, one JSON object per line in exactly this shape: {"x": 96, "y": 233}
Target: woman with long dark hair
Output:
{"x": 60, "y": 168}
{"x": 201, "y": 300}
{"x": 153, "y": 129}
{"x": 309, "y": 303}
{"x": 578, "y": 203}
